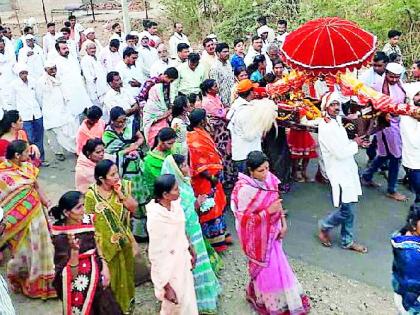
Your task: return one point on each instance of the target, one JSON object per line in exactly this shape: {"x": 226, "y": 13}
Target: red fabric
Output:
{"x": 204, "y": 157}
{"x": 328, "y": 45}
{"x": 301, "y": 144}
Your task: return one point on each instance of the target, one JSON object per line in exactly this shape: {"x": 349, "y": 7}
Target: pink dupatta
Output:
{"x": 84, "y": 134}
{"x": 256, "y": 227}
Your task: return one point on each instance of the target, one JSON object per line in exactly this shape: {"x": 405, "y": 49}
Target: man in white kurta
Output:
{"x": 32, "y": 56}
{"x": 7, "y": 62}
{"x": 110, "y": 56}
{"x": 95, "y": 75}
{"x": 48, "y": 41}
{"x": 163, "y": 63}
{"x": 178, "y": 37}
{"x": 131, "y": 73}
{"x": 68, "y": 72}
{"x": 147, "y": 55}
{"x": 338, "y": 154}
{"x": 60, "y": 126}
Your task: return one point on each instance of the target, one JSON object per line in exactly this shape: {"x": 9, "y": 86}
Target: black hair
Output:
{"x": 57, "y": 44}
{"x": 393, "y": 33}
{"x": 412, "y": 218}
{"x": 179, "y": 159}
{"x": 27, "y": 29}
{"x": 50, "y": 24}
{"x": 90, "y": 146}
{"x": 254, "y": 38}
{"x": 192, "y": 98}
{"x": 179, "y": 106}
{"x": 182, "y": 46}
{"x": 129, "y": 51}
{"x": 164, "y": 184}
{"x": 255, "y": 159}
{"x": 221, "y": 46}
{"x": 381, "y": 56}
{"x": 130, "y": 37}
{"x": 238, "y": 71}
{"x": 237, "y": 41}
{"x": 282, "y": 22}
{"x": 393, "y": 57}
{"x": 277, "y": 61}
{"x": 164, "y": 134}
{"x": 102, "y": 169}
{"x": 65, "y": 29}
{"x": 206, "y": 85}
{"x": 244, "y": 94}
{"x": 114, "y": 26}
{"x": 262, "y": 20}
{"x": 16, "y": 146}
{"x": 207, "y": 40}
{"x": 269, "y": 77}
{"x": 110, "y": 76}
{"x": 67, "y": 24}
{"x": 114, "y": 43}
{"x": 67, "y": 202}
{"x": 417, "y": 63}
{"x": 10, "y": 117}
{"x": 176, "y": 24}
{"x": 116, "y": 112}
{"x": 71, "y": 17}
{"x": 94, "y": 113}
{"x": 255, "y": 63}
{"x": 194, "y": 58}
{"x": 151, "y": 23}
{"x": 1, "y": 40}
{"x": 171, "y": 73}
{"x": 196, "y": 117}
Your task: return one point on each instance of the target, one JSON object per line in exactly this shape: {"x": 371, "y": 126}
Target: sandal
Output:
{"x": 324, "y": 237}
{"x": 397, "y": 196}
{"x": 357, "y": 248}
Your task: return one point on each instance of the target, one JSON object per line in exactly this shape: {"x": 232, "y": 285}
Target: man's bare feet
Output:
{"x": 359, "y": 248}
{"x": 324, "y": 237}
{"x": 397, "y": 196}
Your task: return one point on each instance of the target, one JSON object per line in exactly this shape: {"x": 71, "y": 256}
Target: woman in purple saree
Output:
{"x": 261, "y": 225}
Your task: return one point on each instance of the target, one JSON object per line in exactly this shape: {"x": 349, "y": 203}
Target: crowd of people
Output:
{"x": 163, "y": 135}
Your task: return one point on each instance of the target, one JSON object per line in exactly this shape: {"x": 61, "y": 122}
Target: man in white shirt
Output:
{"x": 281, "y": 32}
{"x": 153, "y": 36}
{"x": 60, "y": 126}
{"x": 375, "y": 74}
{"x": 48, "y": 41}
{"x": 183, "y": 50}
{"x": 64, "y": 35}
{"x": 163, "y": 63}
{"x": 208, "y": 56}
{"x": 118, "y": 95}
{"x": 190, "y": 76}
{"x": 95, "y": 76}
{"x": 177, "y": 38}
{"x": 147, "y": 55}
{"x": 410, "y": 136}
{"x": 239, "y": 115}
{"x": 33, "y": 56}
{"x": 7, "y": 61}
{"x": 118, "y": 34}
{"x": 254, "y": 50}
{"x": 131, "y": 75}
{"x": 24, "y": 100}
{"x": 68, "y": 72}
{"x": 7, "y": 36}
{"x": 111, "y": 56}
{"x": 263, "y": 32}
{"x": 338, "y": 155}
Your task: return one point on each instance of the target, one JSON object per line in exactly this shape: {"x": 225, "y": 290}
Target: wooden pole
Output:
{"x": 126, "y": 19}
{"x": 145, "y": 8}
{"x": 93, "y": 10}
{"x": 45, "y": 12}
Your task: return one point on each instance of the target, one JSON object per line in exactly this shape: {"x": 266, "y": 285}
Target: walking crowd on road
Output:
{"x": 169, "y": 139}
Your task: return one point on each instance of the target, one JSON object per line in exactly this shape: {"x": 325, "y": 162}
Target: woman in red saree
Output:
{"x": 261, "y": 226}
{"x": 206, "y": 168}
{"x": 81, "y": 274}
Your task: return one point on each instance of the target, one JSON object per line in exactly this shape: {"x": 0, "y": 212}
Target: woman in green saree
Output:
{"x": 123, "y": 145}
{"x": 153, "y": 161}
{"x": 111, "y": 202}
{"x": 206, "y": 285}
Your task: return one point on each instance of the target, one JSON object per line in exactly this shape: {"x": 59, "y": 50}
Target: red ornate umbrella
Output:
{"x": 328, "y": 45}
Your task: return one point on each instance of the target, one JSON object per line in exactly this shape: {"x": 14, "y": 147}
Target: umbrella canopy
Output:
{"x": 328, "y": 45}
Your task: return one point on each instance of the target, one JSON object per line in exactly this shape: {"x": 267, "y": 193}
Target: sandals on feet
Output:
{"x": 324, "y": 238}
{"x": 397, "y": 196}
{"x": 357, "y": 248}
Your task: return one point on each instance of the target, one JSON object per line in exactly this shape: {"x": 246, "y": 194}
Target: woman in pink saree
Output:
{"x": 261, "y": 226}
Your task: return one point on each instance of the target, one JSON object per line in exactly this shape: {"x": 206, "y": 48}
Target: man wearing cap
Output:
{"x": 222, "y": 73}
{"x": 389, "y": 139}
{"x": 68, "y": 72}
{"x": 410, "y": 136}
{"x": 23, "y": 99}
{"x": 163, "y": 63}
{"x": 254, "y": 50}
{"x": 263, "y": 33}
{"x": 110, "y": 56}
{"x": 90, "y": 38}
{"x": 33, "y": 56}
{"x": 338, "y": 155}
{"x": 263, "y": 28}
{"x": 60, "y": 126}
{"x": 177, "y": 38}
{"x": 94, "y": 74}
{"x": 147, "y": 55}
{"x": 239, "y": 125}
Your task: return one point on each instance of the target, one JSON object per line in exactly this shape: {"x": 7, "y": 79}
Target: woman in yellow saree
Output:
{"x": 31, "y": 270}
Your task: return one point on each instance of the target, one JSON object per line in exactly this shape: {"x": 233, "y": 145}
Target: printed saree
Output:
{"x": 206, "y": 285}
{"x": 31, "y": 270}
{"x": 81, "y": 293}
{"x": 212, "y": 221}
{"x": 406, "y": 272}
{"x": 273, "y": 288}
{"x": 157, "y": 105}
{"x": 115, "y": 239}
{"x": 130, "y": 167}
